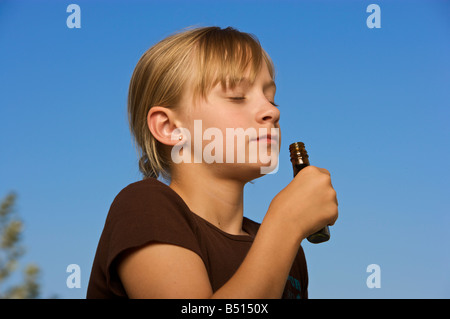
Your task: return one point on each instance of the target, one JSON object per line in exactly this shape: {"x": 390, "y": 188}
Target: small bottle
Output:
{"x": 300, "y": 159}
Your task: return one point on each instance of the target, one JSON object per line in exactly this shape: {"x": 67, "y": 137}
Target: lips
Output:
{"x": 268, "y": 138}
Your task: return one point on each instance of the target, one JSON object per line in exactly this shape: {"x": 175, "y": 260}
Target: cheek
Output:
{"x": 223, "y": 120}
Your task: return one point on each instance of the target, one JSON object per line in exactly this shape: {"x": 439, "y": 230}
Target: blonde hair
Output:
{"x": 205, "y": 56}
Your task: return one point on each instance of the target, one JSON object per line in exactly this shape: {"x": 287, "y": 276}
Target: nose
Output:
{"x": 268, "y": 114}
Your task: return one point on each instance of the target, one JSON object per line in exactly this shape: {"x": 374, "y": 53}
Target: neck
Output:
{"x": 215, "y": 199}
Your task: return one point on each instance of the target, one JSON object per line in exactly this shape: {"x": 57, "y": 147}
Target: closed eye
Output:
{"x": 237, "y": 98}
{"x": 242, "y": 98}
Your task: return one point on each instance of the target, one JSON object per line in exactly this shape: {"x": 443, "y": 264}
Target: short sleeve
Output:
{"x": 144, "y": 212}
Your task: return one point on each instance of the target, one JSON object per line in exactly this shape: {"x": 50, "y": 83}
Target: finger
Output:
{"x": 324, "y": 170}
{"x": 336, "y": 217}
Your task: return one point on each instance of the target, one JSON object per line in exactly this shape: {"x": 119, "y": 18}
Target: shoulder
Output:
{"x": 144, "y": 198}
{"x": 143, "y": 212}
{"x": 149, "y": 210}
{"x": 147, "y": 183}
{"x": 139, "y": 194}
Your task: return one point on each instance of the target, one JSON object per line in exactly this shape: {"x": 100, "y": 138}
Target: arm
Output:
{"x": 169, "y": 271}
{"x": 306, "y": 205}
{"x": 164, "y": 271}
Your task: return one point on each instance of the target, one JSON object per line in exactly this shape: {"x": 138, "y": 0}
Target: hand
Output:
{"x": 308, "y": 203}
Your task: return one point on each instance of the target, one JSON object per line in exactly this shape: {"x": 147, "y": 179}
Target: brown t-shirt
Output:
{"x": 150, "y": 211}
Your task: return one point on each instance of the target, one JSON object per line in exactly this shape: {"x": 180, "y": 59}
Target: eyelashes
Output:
{"x": 241, "y": 99}
{"x": 237, "y": 98}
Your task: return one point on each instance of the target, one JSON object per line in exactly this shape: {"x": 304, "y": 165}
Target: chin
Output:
{"x": 250, "y": 171}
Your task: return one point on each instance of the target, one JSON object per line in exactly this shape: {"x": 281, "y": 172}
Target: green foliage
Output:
{"x": 11, "y": 229}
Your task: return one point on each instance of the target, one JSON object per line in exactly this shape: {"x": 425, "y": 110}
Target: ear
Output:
{"x": 162, "y": 124}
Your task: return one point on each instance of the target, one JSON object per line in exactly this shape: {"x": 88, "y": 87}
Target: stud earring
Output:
{"x": 180, "y": 137}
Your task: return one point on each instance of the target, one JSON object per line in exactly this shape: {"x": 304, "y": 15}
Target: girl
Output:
{"x": 189, "y": 239}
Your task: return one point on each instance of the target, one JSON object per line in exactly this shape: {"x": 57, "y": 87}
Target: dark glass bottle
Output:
{"x": 300, "y": 159}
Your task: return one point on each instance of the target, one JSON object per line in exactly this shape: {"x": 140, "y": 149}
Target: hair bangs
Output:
{"x": 228, "y": 56}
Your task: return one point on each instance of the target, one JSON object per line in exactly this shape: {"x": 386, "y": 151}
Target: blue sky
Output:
{"x": 371, "y": 105}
